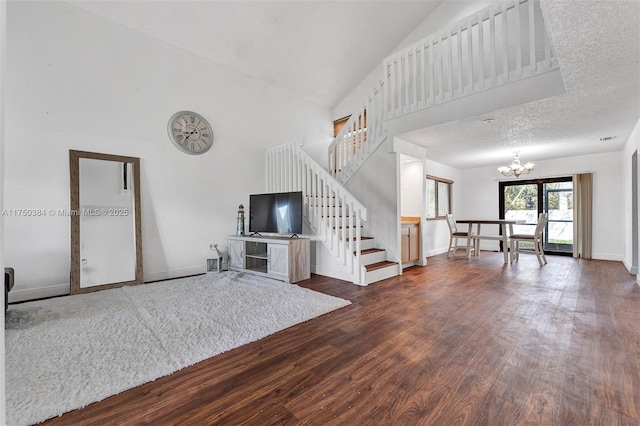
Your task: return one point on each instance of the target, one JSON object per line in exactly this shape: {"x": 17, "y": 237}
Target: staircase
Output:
{"x": 334, "y": 215}
{"x": 502, "y": 44}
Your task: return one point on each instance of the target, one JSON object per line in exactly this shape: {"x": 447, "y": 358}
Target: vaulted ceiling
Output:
{"x": 321, "y": 50}
{"x": 318, "y": 50}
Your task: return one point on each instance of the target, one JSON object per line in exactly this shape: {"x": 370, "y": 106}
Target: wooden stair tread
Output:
{"x": 370, "y": 251}
{"x": 361, "y": 238}
{"x": 380, "y": 265}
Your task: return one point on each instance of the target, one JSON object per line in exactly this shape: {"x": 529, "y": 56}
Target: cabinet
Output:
{"x": 236, "y": 253}
{"x": 281, "y": 258}
{"x": 410, "y": 242}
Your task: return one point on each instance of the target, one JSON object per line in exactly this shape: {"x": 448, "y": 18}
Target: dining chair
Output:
{"x": 535, "y": 238}
{"x": 455, "y": 234}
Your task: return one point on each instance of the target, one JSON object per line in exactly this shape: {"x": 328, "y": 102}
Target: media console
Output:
{"x": 281, "y": 258}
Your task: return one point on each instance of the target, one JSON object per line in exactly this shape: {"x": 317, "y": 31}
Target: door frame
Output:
{"x": 540, "y": 207}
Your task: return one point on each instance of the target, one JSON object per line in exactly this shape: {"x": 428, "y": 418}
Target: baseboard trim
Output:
{"x": 17, "y": 295}
{"x": 38, "y": 293}
{"x": 435, "y": 252}
{"x": 632, "y": 269}
{"x": 176, "y": 273}
{"x": 333, "y": 273}
{"x": 606, "y": 256}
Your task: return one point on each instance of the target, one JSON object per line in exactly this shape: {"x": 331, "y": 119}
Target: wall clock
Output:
{"x": 190, "y": 132}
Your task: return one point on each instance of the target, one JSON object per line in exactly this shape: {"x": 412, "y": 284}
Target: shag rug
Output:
{"x": 65, "y": 353}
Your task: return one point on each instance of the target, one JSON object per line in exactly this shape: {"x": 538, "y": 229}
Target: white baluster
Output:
{"x": 440, "y": 70}
{"x": 450, "y": 63}
{"x": 481, "y": 51}
{"x": 425, "y": 98}
{"x": 518, "y": 41}
{"x": 358, "y": 247}
{"x": 432, "y": 73}
{"x": 505, "y": 46}
{"x": 415, "y": 79}
{"x": 532, "y": 37}
{"x": 492, "y": 48}
{"x": 460, "y": 67}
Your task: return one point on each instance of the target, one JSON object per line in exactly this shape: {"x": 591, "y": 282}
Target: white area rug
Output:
{"x": 65, "y": 353}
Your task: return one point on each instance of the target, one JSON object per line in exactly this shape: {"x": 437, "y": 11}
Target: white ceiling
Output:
{"x": 318, "y": 50}
{"x": 321, "y": 50}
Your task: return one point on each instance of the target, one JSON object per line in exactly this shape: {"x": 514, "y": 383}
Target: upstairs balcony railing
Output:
{"x": 493, "y": 47}
{"x": 500, "y": 44}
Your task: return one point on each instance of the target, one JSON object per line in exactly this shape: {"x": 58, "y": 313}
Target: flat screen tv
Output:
{"x": 279, "y": 213}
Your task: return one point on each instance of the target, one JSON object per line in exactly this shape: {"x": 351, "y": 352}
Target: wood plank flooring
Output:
{"x": 458, "y": 342}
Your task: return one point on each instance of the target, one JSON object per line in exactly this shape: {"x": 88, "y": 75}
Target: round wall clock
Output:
{"x": 190, "y": 132}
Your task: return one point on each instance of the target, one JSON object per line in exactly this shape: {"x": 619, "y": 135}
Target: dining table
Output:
{"x": 505, "y": 225}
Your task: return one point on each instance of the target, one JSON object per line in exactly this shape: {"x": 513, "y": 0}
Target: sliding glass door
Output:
{"x": 558, "y": 205}
{"x": 525, "y": 200}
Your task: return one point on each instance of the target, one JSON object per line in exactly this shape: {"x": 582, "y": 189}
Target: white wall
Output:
{"x": 3, "y": 26}
{"x": 480, "y": 196}
{"x": 632, "y": 145}
{"x": 77, "y": 81}
{"x": 411, "y": 187}
{"x": 376, "y": 185}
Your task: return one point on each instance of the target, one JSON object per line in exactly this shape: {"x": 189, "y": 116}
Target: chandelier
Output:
{"x": 516, "y": 168}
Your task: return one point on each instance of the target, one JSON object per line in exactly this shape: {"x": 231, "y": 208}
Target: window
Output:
{"x": 360, "y": 125}
{"x": 438, "y": 197}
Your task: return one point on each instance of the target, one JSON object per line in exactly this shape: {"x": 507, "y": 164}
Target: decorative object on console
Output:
{"x": 516, "y": 168}
{"x": 240, "y": 224}
{"x": 190, "y": 132}
{"x": 214, "y": 259}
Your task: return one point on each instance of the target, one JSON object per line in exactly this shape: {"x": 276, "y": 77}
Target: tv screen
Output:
{"x": 279, "y": 213}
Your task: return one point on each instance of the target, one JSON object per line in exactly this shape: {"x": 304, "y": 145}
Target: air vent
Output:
{"x": 607, "y": 138}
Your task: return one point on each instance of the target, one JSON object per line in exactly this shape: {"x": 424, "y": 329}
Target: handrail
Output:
{"x": 333, "y": 213}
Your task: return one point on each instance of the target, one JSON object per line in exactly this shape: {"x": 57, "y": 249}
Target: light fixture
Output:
{"x": 516, "y": 168}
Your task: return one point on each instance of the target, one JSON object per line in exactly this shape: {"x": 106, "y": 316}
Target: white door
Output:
{"x": 236, "y": 253}
{"x": 278, "y": 260}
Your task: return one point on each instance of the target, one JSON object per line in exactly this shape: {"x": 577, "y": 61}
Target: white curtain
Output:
{"x": 582, "y": 213}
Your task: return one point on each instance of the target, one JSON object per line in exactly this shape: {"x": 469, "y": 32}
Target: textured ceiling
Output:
{"x": 598, "y": 47}
{"x": 318, "y": 50}
{"x": 321, "y": 50}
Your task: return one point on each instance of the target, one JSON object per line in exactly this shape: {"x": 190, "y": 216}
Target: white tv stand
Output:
{"x": 282, "y": 258}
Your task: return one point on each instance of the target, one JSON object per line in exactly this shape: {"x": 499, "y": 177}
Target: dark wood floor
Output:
{"x": 456, "y": 342}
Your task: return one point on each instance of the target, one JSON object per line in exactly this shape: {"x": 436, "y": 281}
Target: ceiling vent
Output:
{"x": 607, "y": 138}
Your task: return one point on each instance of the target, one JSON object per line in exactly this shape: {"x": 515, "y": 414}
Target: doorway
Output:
{"x": 525, "y": 200}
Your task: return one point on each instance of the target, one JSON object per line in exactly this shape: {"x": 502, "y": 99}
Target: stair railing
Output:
{"x": 500, "y": 44}
{"x": 359, "y": 137}
{"x": 334, "y": 214}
